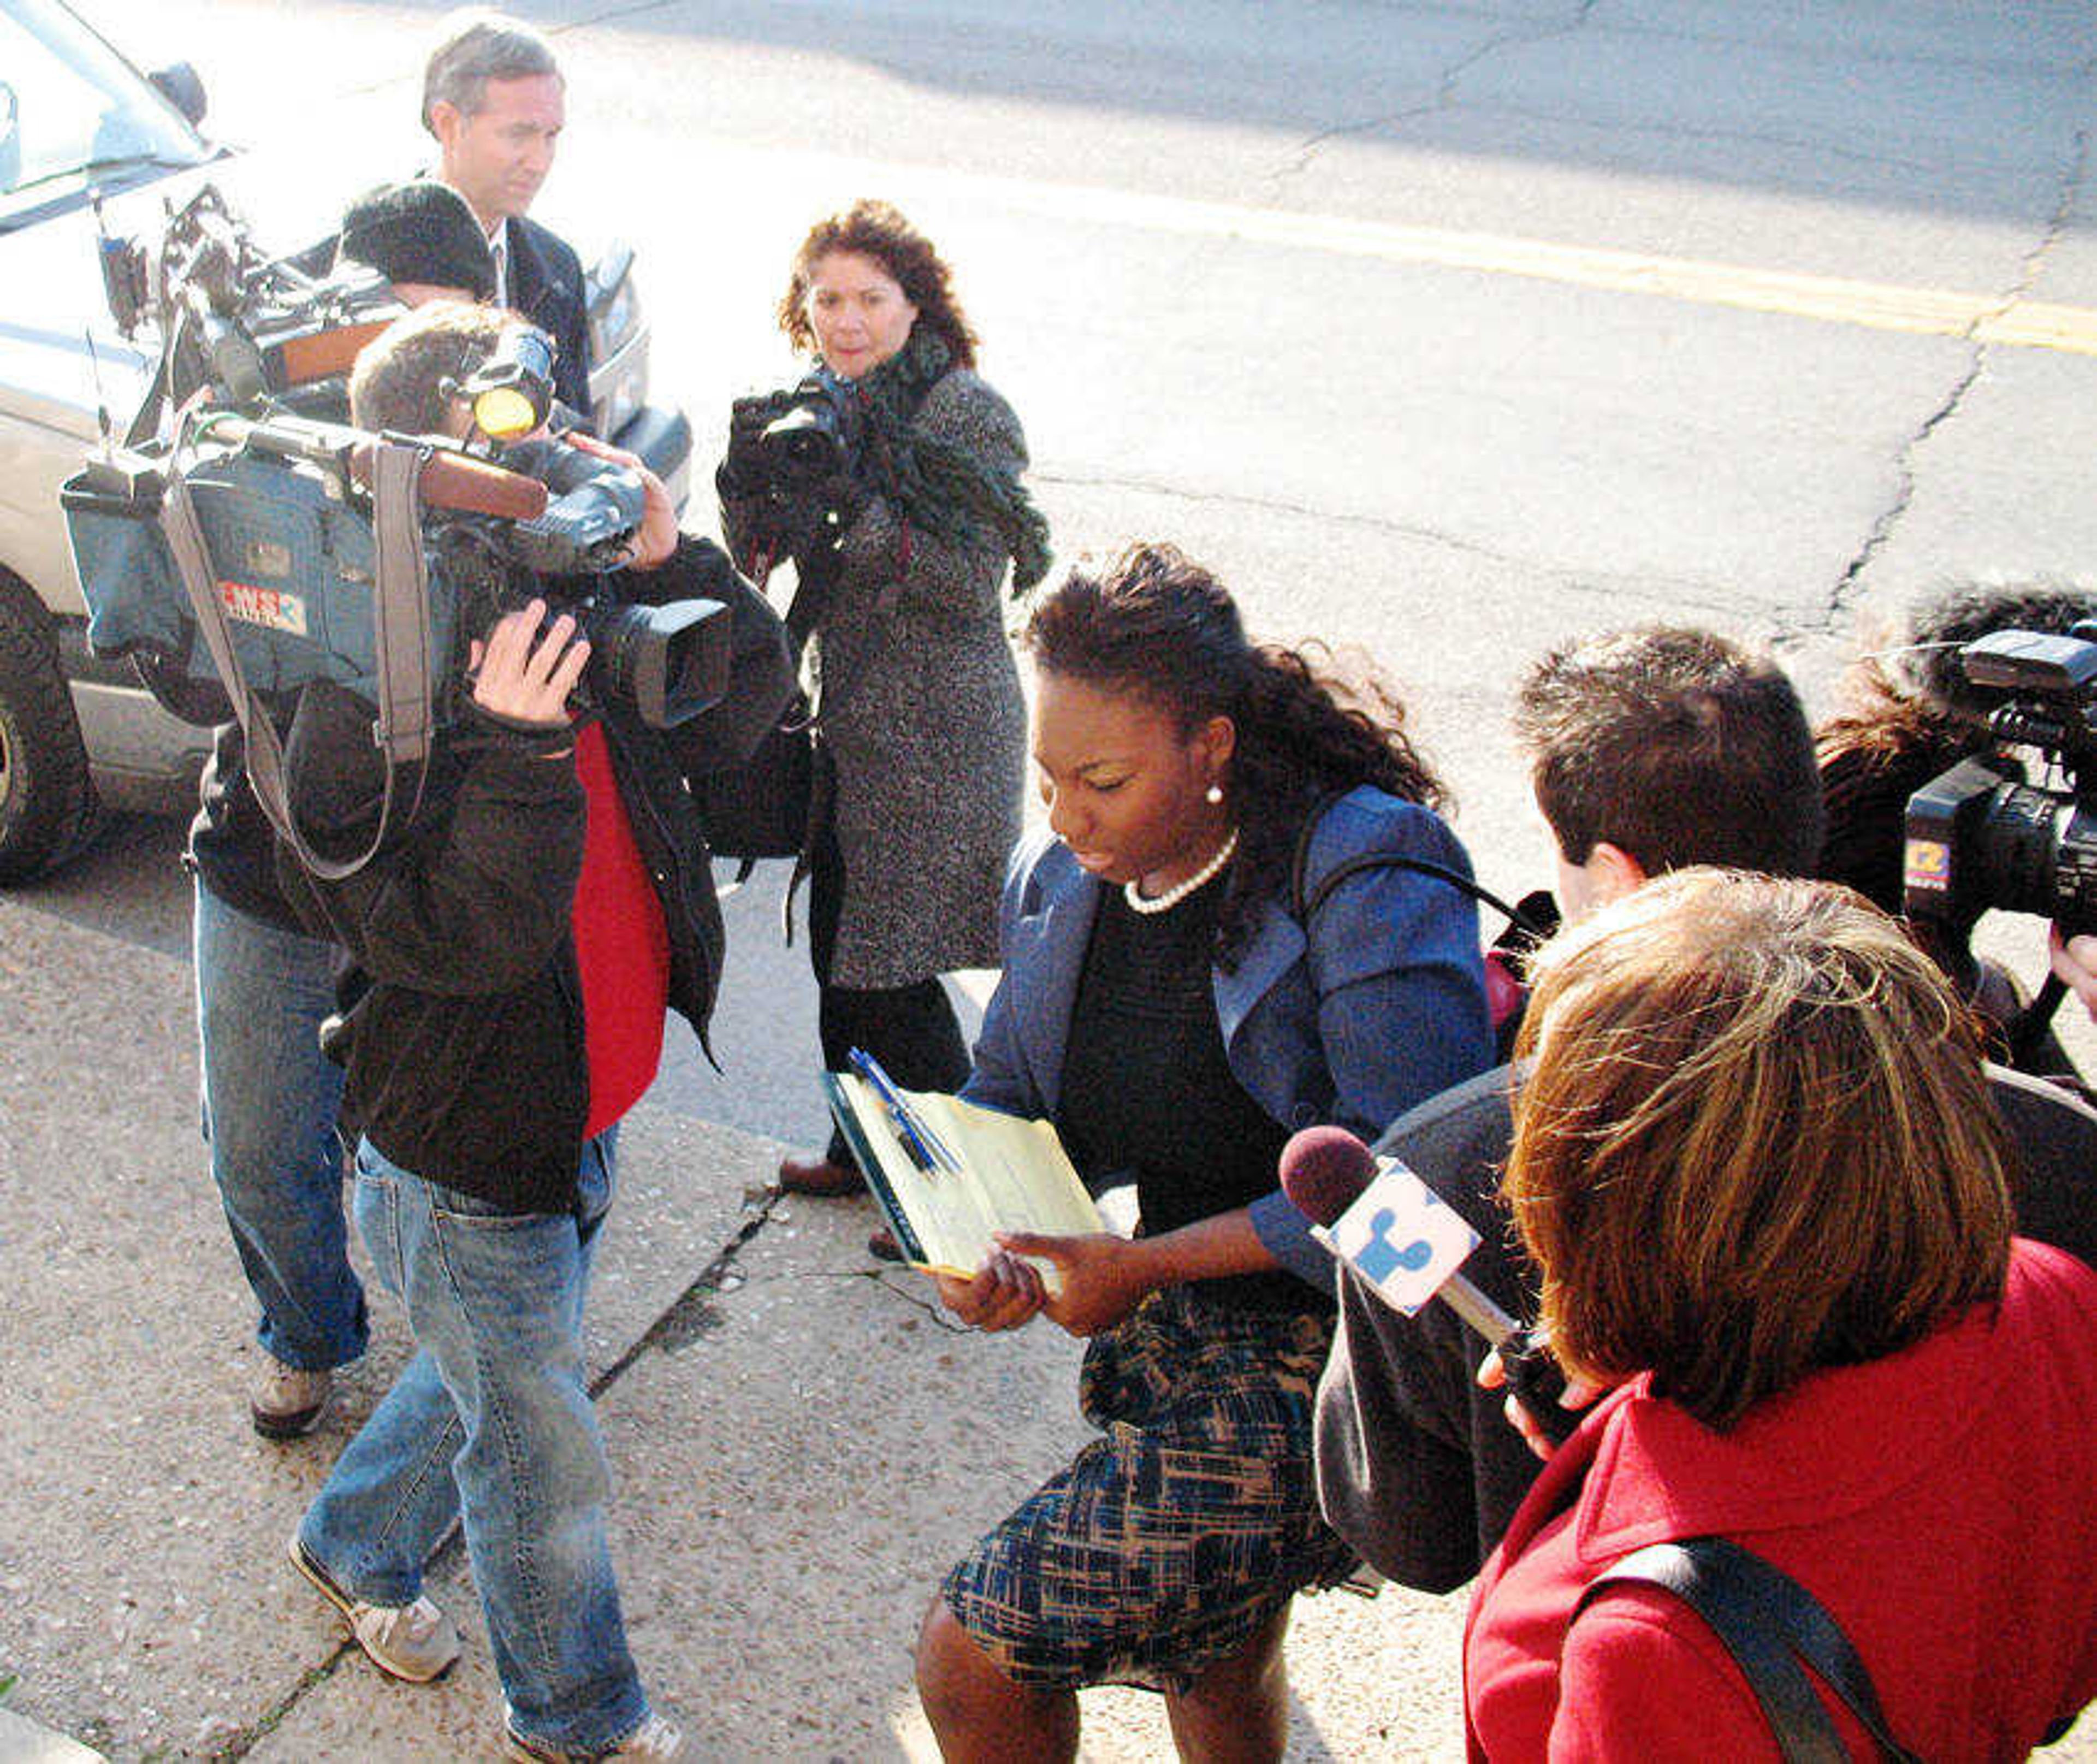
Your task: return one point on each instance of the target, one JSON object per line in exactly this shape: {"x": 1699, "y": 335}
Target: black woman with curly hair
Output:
{"x": 1178, "y": 1000}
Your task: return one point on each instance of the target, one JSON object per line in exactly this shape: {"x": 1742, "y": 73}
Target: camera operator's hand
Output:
{"x": 524, "y": 674}
{"x": 656, "y": 537}
{"x": 744, "y": 472}
{"x": 2075, "y": 963}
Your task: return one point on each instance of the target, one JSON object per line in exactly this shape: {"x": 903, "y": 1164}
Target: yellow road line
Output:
{"x": 1833, "y": 299}
{"x": 1876, "y": 305}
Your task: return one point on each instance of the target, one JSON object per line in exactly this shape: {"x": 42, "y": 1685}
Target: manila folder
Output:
{"x": 1015, "y": 1176}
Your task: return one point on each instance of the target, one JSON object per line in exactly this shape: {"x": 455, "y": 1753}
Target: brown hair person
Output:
{"x": 1153, "y": 622}
{"x": 1756, "y": 1140}
{"x": 877, "y": 229}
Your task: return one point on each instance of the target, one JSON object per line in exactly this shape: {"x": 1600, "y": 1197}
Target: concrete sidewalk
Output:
{"x": 802, "y": 1442}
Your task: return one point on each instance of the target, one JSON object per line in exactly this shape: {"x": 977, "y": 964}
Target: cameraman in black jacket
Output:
{"x": 513, "y": 950}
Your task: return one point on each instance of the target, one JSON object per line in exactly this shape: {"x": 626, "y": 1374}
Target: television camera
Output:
{"x": 1981, "y": 835}
{"x": 243, "y": 415}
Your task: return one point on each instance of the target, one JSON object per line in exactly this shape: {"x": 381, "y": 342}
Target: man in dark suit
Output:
{"x": 494, "y": 98}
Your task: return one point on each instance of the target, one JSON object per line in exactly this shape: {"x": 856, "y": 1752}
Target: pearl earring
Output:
{"x": 1214, "y": 793}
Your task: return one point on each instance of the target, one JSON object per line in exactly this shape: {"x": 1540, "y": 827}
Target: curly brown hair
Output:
{"x": 1154, "y": 623}
{"x": 877, "y": 229}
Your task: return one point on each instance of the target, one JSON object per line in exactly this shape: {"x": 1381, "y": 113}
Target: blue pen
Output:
{"x": 925, "y": 1148}
{"x": 900, "y": 1117}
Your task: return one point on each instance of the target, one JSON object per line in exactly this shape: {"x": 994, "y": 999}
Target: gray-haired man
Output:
{"x": 494, "y": 98}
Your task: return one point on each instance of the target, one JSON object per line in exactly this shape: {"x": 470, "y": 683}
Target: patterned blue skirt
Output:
{"x": 1171, "y": 1540}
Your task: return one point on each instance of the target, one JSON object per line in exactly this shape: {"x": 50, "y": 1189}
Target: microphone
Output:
{"x": 1325, "y": 1169}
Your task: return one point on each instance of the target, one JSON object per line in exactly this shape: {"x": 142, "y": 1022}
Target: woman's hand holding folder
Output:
{"x": 1004, "y": 1292}
{"x": 1104, "y": 1277}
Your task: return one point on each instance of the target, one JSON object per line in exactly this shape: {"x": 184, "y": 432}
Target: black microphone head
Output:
{"x": 1323, "y": 1169}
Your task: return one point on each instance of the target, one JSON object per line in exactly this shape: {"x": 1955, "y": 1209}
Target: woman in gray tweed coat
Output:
{"x": 900, "y": 540}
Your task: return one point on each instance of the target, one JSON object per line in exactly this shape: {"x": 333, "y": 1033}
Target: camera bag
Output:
{"x": 169, "y": 550}
{"x": 406, "y": 723}
{"x": 760, "y": 807}
{"x": 291, "y": 559}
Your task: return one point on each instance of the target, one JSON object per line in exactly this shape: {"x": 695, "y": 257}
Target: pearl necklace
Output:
{"x": 1174, "y": 895}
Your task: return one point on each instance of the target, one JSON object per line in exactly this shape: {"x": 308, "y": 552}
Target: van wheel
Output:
{"x": 46, "y": 797}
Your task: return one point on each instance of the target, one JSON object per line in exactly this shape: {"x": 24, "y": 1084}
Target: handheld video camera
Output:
{"x": 816, "y": 436}
{"x": 1980, "y": 835}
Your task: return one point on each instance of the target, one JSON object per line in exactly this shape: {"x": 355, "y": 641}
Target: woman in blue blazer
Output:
{"x": 1168, "y": 1001}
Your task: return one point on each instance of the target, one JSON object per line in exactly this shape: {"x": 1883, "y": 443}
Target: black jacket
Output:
{"x": 462, "y": 1025}
{"x": 547, "y": 286}
{"x": 232, "y": 848}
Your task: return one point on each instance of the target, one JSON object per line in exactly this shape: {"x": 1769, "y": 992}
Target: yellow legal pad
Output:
{"x": 1015, "y": 1176}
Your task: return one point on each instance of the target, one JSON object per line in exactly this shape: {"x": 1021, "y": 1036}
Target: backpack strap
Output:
{"x": 1505, "y": 995}
{"x": 1774, "y": 1629}
{"x": 1305, "y": 901}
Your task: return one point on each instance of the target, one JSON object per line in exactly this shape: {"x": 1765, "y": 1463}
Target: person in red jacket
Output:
{"x": 1757, "y": 1165}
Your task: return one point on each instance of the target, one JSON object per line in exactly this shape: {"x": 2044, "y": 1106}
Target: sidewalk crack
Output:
{"x": 693, "y": 1312}
{"x": 688, "y": 1315}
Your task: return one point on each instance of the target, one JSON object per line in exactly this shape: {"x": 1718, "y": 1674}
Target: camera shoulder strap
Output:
{"x": 401, "y": 616}
{"x": 264, "y": 749}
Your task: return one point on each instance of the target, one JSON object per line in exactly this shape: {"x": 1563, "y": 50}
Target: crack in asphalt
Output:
{"x": 1756, "y": 138}
{"x": 2072, "y": 177}
{"x": 1445, "y": 90}
{"x": 1583, "y": 581}
{"x": 1276, "y": 505}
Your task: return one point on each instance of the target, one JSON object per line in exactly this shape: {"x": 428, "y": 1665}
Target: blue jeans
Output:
{"x": 270, "y": 1099}
{"x": 492, "y": 1422}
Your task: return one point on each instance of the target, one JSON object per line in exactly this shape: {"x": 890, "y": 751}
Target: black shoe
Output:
{"x": 819, "y": 1176}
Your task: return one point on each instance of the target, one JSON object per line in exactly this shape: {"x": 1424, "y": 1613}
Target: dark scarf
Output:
{"x": 943, "y": 489}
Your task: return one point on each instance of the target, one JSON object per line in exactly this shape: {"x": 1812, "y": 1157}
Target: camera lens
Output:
{"x": 804, "y": 445}
{"x": 670, "y": 663}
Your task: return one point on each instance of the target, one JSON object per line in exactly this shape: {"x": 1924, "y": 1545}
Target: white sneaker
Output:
{"x": 290, "y": 1401}
{"x": 657, "y": 1737}
{"x": 415, "y": 1642}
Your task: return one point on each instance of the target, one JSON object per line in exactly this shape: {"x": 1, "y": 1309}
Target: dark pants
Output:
{"x": 911, "y": 1030}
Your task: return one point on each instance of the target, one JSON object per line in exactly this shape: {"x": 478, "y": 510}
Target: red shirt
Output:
{"x": 622, "y": 946}
{"x": 1941, "y": 1502}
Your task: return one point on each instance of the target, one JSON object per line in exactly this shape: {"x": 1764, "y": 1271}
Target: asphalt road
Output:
{"x": 1447, "y": 331}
